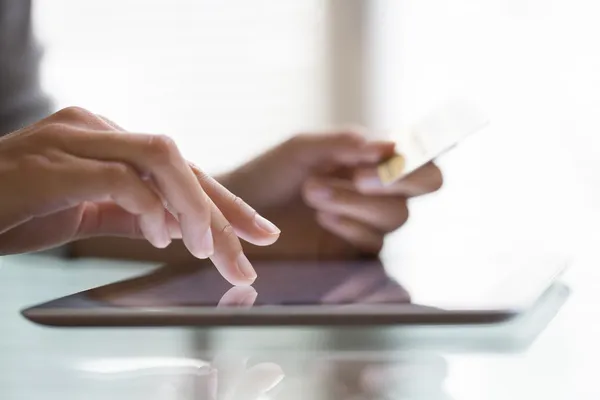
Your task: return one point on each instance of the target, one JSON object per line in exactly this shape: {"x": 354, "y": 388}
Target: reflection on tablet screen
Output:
{"x": 279, "y": 283}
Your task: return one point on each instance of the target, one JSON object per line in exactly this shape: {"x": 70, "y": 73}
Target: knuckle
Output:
{"x": 299, "y": 139}
{"x": 74, "y": 113}
{"x": 110, "y": 123}
{"x": 316, "y": 191}
{"x": 228, "y": 235}
{"x": 54, "y": 127}
{"x": 51, "y": 133}
{"x": 351, "y": 133}
{"x": 236, "y": 201}
{"x": 162, "y": 148}
{"x": 201, "y": 176}
{"x": 227, "y": 231}
{"x": 34, "y": 162}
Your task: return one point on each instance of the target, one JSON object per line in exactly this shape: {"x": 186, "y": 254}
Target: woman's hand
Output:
{"x": 75, "y": 175}
{"x": 324, "y": 191}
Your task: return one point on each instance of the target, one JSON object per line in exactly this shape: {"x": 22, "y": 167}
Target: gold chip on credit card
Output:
{"x": 431, "y": 137}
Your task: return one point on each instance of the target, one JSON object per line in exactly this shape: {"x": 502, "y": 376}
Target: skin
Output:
{"x": 74, "y": 175}
{"x": 105, "y": 189}
{"x": 322, "y": 191}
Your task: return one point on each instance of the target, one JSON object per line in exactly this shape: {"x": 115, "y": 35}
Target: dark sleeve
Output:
{"x": 22, "y": 101}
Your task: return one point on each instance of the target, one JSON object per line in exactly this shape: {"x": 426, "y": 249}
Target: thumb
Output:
{"x": 342, "y": 147}
{"x": 346, "y": 147}
{"x": 108, "y": 219}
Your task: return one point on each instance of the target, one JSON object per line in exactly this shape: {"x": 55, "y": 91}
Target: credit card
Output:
{"x": 431, "y": 137}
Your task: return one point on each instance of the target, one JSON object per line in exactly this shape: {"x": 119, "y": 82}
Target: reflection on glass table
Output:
{"x": 344, "y": 368}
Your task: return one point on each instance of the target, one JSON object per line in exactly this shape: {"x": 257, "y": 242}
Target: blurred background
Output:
{"x": 228, "y": 79}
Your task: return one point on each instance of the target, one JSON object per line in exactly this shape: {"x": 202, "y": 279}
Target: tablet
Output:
{"x": 482, "y": 290}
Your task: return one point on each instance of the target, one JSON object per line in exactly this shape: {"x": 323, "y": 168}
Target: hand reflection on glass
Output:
{"x": 234, "y": 380}
{"x": 173, "y": 378}
{"x": 238, "y": 296}
{"x": 154, "y": 290}
{"x": 229, "y": 377}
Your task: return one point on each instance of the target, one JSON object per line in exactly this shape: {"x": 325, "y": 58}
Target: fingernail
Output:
{"x": 319, "y": 192}
{"x": 207, "y": 244}
{"x": 266, "y": 225}
{"x": 245, "y": 267}
{"x": 165, "y": 237}
{"x": 368, "y": 182}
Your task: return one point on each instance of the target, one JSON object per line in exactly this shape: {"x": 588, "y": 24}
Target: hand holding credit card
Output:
{"x": 431, "y": 137}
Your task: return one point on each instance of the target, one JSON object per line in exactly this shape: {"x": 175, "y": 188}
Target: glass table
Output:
{"x": 549, "y": 353}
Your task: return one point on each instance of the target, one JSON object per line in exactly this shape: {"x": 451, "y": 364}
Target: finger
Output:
{"x": 78, "y": 116}
{"x": 111, "y": 215}
{"x": 379, "y": 150}
{"x": 247, "y": 223}
{"x": 99, "y": 181}
{"x": 382, "y": 213}
{"x": 357, "y": 234}
{"x": 238, "y": 296}
{"x": 109, "y": 219}
{"x": 229, "y": 257}
{"x": 111, "y": 123}
{"x": 371, "y": 153}
{"x": 424, "y": 180}
{"x": 84, "y": 118}
{"x": 345, "y": 147}
{"x": 159, "y": 158}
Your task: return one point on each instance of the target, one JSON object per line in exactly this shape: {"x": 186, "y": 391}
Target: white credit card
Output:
{"x": 431, "y": 137}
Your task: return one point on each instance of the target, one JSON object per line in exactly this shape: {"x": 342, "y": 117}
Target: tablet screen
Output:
{"x": 279, "y": 283}
{"x": 297, "y": 283}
